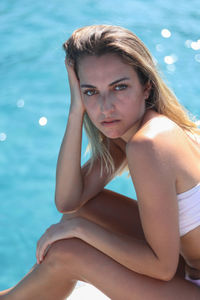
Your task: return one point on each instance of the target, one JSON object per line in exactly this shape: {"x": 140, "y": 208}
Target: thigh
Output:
{"x": 117, "y": 213}
{"x": 116, "y": 281}
{"x": 114, "y": 211}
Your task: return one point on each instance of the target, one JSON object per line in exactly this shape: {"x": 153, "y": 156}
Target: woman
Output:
{"x": 127, "y": 249}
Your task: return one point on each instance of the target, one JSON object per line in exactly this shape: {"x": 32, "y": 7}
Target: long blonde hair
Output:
{"x": 98, "y": 40}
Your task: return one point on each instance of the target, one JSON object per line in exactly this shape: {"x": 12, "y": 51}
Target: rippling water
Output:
{"x": 33, "y": 85}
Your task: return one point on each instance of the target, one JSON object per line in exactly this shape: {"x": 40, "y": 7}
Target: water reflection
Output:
{"x": 43, "y": 121}
{"x": 195, "y": 45}
{"x": 197, "y": 57}
{"x": 3, "y": 136}
{"x": 188, "y": 43}
{"x": 165, "y": 33}
{"x": 20, "y": 103}
{"x": 159, "y": 47}
{"x": 171, "y": 68}
{"x": 170, "y": 59}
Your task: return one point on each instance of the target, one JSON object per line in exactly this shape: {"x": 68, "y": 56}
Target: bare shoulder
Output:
{"x": 161, "y": 144}
{"x": 152, "y": 159}
{"x": 157, "y": 132}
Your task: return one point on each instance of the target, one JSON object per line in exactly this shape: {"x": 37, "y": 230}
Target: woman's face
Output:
{"x": 113, "y": 95}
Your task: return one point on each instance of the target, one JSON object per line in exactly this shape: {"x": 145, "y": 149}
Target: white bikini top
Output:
{"x": 189, "y": 202}
{"x": 189, "y": 209}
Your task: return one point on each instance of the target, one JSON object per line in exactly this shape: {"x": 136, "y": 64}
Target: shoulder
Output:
{"x": 156, "y": 131}
{"x": 156, "y": 143}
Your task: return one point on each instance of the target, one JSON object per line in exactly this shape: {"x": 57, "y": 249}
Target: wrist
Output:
{"x": 78, "y": 225}
{"x": 75, "y": 116}
{"x": 73, "y": 226}
{"x": 77, "y": 111}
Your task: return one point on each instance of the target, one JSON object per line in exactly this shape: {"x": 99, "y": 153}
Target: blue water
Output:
{"x": 33, "y": 84}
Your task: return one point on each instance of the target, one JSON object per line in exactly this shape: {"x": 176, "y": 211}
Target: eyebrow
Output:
{"x": 112, "y": 83}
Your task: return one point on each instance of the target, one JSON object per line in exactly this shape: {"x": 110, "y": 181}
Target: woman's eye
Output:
{"x": 120, "y": 87}
{"x": 90, "y": 92}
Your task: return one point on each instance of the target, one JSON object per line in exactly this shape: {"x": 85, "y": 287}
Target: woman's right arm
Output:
{"x": 69, "y": 181}
{"x": 74, "y": 186}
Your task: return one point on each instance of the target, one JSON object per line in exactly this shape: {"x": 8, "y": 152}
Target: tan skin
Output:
{"x": 187, "y": 174}
{"x": 110, "y": 234}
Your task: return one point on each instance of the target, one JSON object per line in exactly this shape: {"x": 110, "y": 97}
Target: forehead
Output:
{"x": 108, "y": 67}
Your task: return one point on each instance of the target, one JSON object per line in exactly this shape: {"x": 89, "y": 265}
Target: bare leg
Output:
{"x": 47, "y": 281}
{"x": 116, "y": 281}
{"x": 84, "y": 262}
{"x": 117, "y": 213}
{"x": 113, "y": 211}
{"x": 72, "y": 259}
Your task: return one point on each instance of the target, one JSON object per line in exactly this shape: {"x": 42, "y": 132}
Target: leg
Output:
{"x": 113, "y": 211}
{"x": 72, "y": 259}
{"x": 116, "y": 281}
{"x": 47, "y": 281}
{"x": 117, "y": 213}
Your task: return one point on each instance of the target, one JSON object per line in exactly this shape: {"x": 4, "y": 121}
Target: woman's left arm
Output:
{"x": 152, "y": 163}
{"x": 152, "y": 169}
{"x": 154, "y": 181}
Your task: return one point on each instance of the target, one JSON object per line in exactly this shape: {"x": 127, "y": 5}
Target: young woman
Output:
{"x": 128, "y": 249}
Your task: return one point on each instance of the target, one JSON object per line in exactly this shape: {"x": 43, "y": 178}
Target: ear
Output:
{"x": 147, "y": 89}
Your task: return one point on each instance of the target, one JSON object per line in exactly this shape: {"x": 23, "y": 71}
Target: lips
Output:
{"x": 109, "y": 122}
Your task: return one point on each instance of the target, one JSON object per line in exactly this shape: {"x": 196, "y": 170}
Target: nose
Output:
{"x": 106, "y": 103}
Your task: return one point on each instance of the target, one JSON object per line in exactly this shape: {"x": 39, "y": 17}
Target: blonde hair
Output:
{"x": 98, "y": 40}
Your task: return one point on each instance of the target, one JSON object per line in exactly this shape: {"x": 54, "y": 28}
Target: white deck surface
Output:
{"x": 87, "y": 292}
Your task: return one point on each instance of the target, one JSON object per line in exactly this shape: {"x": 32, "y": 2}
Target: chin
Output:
{"x": 112, "y": 136}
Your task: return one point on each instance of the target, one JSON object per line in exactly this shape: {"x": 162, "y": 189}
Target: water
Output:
{"x": 33, "y": 84}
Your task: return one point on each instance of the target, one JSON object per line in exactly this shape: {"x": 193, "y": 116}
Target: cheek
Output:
{"x": 133, "y": 108}
{"x": 90, "y": 106}
{"x": 91, "y": 110}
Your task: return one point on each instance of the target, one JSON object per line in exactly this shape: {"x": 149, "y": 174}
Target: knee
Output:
{"x": 64, "y": 253}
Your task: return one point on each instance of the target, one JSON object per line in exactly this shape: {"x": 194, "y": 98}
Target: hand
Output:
{"x": 76, "y": 97}
{"x": 59, "y": 231}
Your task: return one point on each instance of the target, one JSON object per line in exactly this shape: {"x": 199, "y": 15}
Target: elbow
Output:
{"x": 167, "y": 276}
{"x": 65, "y": 210}
{"x": 64, "y": 207}
{"x": 167, "y": 273}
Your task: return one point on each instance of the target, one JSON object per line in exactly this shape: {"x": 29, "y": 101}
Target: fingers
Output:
{"x": 50, "y": 236}
{"x": 43, "y": 245}
{"x": 54, "y": 233}
{"x": 68, "y": 63}
{"x": 71, "y": 73}
{"x": 76, "y": 97}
